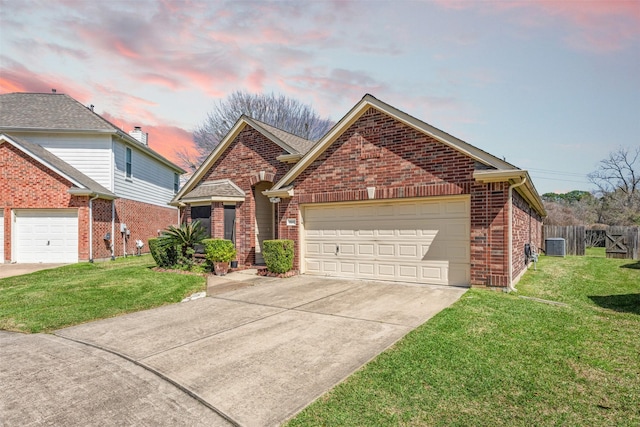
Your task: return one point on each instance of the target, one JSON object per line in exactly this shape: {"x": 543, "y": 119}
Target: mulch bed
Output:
{"x": 267, "y": 273}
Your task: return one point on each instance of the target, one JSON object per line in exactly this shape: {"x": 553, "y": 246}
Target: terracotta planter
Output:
{"x": 220, "y": 268}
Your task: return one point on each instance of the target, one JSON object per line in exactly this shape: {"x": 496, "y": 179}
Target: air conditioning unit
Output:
{"x": 555, "y": 246}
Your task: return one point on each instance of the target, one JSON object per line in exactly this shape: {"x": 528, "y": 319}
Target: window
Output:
{"x": 128, "y": 162}
{"x": 230, "y": 222}
{"x": 202, "y": 214}
{"x": 176, "y": 183}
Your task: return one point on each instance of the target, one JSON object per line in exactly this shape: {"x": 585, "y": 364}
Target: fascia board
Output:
{"x": 9, "y": 129}
{"x": 528, "y": 190}
{"x": 285, "y": 193}
{"x": 87, "y": 192}
{"x": 289, "y": 158}
{"x": 211, "y": 159}
{"x": 214, "y": 199}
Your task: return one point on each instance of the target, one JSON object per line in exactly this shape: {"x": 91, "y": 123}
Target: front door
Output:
{"x": 264, "y": 218}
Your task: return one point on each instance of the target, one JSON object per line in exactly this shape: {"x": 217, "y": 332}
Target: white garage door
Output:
{"x": 1, "y": 236}
{"x": 46, "y": 235}
{"x": 420, "y": 240}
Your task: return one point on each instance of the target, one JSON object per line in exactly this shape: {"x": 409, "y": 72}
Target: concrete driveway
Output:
{"x": 260, "y": 353}
{"x": 8, "y": 270}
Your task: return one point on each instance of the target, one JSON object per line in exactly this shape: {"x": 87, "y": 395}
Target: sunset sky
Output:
{"x": 552, "y": 86}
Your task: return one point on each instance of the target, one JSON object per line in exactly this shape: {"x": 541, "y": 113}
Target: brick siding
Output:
{"x": 400, "y": 162}
{"x": 248, "y": 155}
{"x": 27, "y": 184}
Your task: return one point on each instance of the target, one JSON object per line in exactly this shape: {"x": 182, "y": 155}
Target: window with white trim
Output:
{"x": 128, "y": 162}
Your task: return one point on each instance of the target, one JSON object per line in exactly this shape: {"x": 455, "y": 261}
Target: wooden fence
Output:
{"x": 620, "y": 242}
{"x": 623, "y": 242}
{"x": 574, "y": 237}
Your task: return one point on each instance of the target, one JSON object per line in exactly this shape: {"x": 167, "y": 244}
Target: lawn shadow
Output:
{"x": 627, "y": 303}
{"x": 634, "y": 265}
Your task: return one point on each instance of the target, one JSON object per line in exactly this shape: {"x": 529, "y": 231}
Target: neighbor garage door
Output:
{"x": 46, "y": 235}
{"x": 420, "y": 240}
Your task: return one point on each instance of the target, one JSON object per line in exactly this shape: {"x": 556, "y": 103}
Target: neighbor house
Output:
{"x": 381, "y": 196}
{"x": 75, "y": 187}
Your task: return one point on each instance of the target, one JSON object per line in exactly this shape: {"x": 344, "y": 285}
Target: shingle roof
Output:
{"x": 220, "y": 188}
{"x": 299, "y": 144}
{"x": 57, "y": 111}
{"x": 58, "y": 165}
{"x": 49, "y": 111}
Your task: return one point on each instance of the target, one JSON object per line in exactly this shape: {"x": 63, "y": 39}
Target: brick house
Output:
{"x": 382, "y": 196}
{"x": 74, "y": 187}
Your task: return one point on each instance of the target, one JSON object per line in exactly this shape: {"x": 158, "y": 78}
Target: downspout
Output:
{"x": 113, "y": 230}
{"x": 510, "y": 287}
{"x": 91, "y": 227}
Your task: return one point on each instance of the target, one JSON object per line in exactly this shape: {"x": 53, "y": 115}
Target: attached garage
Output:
{"x": 418, "y": 240}
{"x": 45, "y": 235}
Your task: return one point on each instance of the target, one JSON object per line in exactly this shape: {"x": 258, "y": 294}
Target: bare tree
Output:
{"x": 618, "y": 181}
{"x": 279, "y": 111}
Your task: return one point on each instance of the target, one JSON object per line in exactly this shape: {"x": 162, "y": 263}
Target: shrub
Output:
{"x": 278, "y": 255}
{"x": 219, "y": 250}
{"x": 184, "y": 239}
{"x": 163, "y": 252}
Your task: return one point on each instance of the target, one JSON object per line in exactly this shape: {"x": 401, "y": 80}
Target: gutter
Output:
{"x": 523, "y": 180}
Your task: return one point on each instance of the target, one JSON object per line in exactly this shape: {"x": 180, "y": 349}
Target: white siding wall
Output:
{"x": 89, "y": 153}
{"x": 152, "y": 182}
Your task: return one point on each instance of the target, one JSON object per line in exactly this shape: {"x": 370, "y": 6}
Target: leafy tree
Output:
{"x": 279, "y": 111}
{"x": 618, "y": 182}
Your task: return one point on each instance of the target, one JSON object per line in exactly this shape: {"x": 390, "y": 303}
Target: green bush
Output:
{"x": 163, "y": 252}
{"x": 219, "y": 250}
{"x": 278, "y": 255}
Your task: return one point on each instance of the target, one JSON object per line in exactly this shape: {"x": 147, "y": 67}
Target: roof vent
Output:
{"x": 53, "y": 91}
{"x": 137, "y": 133}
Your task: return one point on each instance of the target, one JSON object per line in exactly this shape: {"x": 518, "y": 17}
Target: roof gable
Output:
{"x": 59, "y": 166}
{"x": 359, "y": 109}
{"x": 219, "y": 190}
{"x": 269, "y": 132}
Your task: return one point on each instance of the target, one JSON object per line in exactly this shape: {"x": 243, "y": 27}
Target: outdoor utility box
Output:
{"x": 555, "y": 246}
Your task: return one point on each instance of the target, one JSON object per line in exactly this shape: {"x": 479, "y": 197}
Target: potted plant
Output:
{"x": 219, "y": 253}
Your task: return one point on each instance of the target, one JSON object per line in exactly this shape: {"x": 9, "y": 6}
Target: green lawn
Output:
{"x": 51, "y": 299}
{"x": 496, "y": 359}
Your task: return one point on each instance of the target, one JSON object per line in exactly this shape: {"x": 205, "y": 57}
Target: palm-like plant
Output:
{"x": 185, "y": 237}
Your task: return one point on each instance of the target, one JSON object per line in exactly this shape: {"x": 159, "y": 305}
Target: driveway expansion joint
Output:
{"x": 160, "y": 375}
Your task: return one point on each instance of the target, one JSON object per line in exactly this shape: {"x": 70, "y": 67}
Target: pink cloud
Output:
{"x": 165, "y": 139}
{"x": 255, "y": 81}
{"x": 17, "y": 78}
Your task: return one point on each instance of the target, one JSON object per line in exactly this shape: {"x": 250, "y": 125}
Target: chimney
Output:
{"x": 139, "y": 135}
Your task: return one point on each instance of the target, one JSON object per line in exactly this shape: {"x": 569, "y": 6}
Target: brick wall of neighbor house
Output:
{"x": 527, "y": 228}
{"x": 143, "y": 220}
{"x": 26, "y": 184}
{"x": 248, "y": 155}
{"x": 400, "y": 162}
{"x": 101, "y": 226}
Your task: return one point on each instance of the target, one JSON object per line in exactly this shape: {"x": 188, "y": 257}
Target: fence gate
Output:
{"x": 622, "y": 242}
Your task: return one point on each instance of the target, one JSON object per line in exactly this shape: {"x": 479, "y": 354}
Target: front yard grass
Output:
{"x": 496, "y": 359}
{"x": 51, "y": 299}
